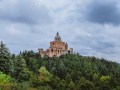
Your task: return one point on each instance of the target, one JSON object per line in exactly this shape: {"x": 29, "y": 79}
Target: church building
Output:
{"x": 57, "y": 48}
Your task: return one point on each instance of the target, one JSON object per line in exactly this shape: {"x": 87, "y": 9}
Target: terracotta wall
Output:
{"x": 56, "y": 48}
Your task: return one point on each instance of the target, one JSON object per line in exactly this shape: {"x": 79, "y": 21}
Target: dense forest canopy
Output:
{"x": 28, "y": 71}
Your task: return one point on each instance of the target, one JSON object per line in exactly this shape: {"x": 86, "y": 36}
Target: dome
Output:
{"x": 57, "y": 37}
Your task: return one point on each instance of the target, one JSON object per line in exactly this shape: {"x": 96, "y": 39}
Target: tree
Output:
{"x": 84, "y": 84}
{"x": 39, "y": 59}
{"x": 68, "y": 78}
{"x": 105, "y": 80}
{"x": 44, "y": 76}
{"x": 71, "y": 85}
{"x": 61, "y": 70}
{"x": 5, "y": 61}
{"x": 21, "y": 72}
{"x": 33, "y": 65}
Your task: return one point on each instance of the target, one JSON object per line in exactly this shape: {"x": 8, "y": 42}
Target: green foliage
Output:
{"x": 22, "y": 86}
{"x": 97, "y": 73}
{"x": 67, "y": 72}
{"x": 44, "y": 88}
{"x": 4, "y": 78}
{"x": 6, "y": 82}
{"x": 84, "y": 84}
{"x": 33, "y": 60}
{"x": 5, "y": 60}
{"x": 44, "y": 75}
{"x": 21, "y": 72}
{"x": 105, "y": 79}
{"x": 105, "y": 82}
{"x": 71, "y": 85}
{"x": 33, "y": 65}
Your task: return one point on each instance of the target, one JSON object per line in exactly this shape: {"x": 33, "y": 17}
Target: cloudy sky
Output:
{"x": 91, "y": 27}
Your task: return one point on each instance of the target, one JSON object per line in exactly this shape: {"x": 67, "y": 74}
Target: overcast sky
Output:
{"x": 91, "y": 27}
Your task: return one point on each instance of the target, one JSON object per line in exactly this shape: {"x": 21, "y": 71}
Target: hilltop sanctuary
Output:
{"x": 57, "y": 48}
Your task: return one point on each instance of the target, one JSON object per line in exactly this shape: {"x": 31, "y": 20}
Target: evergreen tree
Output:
{"x": 5, "y": 60}
{"x": 33, "y": 65}
{"x": 21, "y": 72}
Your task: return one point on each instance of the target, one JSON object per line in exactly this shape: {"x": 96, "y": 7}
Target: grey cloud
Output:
{"x": 97, "y": 43}
{"x": 21, "y": 26}
{"x": 24, "y": 12}
{"x": 105, "y": 47}
{"x": 103, "y": 13}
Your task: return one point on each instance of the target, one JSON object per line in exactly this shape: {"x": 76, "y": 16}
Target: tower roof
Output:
{"x": 57, "y": 37}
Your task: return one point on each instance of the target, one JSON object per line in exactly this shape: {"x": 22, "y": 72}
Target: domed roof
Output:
{"x": 57, "y": 37}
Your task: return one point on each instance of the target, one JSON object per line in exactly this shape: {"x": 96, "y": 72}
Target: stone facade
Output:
{"x": 57, "y": 48}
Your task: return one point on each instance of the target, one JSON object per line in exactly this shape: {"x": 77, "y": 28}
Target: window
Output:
{"x": 51, "y": 50}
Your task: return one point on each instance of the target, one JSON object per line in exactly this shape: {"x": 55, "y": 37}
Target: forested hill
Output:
{"x": 28, "y": 71}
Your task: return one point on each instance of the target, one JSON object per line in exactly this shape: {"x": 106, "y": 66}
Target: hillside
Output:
{"x": 28, "y": 71}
